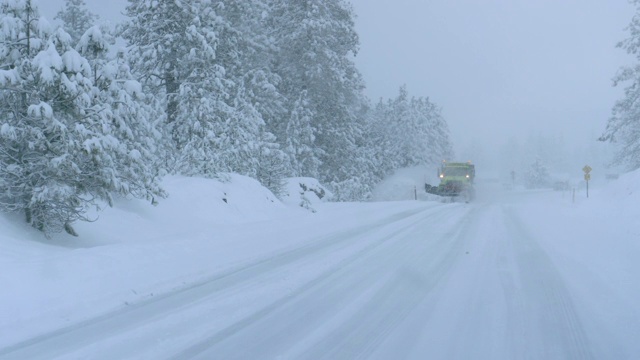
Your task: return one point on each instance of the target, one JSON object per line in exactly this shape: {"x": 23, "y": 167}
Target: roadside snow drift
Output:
{"x": 133, "y": 251}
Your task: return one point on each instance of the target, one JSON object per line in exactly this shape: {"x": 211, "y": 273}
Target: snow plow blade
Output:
{"x": 431, "y": 189}
{"x": 451, "y": 192}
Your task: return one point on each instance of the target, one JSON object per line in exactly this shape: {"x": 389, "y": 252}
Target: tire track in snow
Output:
{"x": 396, "y": 300}
{"x": 393, "y": 297}
{"x": 545, "y": 294}
{"x": 516, "y": 314}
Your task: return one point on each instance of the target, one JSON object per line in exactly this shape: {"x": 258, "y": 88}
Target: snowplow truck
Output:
{"x": 456, "y": 180}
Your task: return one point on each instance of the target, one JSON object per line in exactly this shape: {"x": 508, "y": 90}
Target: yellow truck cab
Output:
{"x": 456, "y": 179}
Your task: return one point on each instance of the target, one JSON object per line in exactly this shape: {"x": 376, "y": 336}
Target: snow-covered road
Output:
{"x": 421, "y": 280}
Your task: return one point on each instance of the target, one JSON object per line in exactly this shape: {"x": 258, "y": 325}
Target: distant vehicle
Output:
{"x": 456, "y": 180}
{"x": 561, "y": 186}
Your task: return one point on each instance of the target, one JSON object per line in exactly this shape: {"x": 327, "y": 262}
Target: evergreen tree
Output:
{"x": 131, "y": 115}
{"x": 76, "y": 19}
{"x": 537, "y": 175}
{"x": 623, "y": 127}
{"x": 315, "y": 42}
{"x": 245, "y": 54}
{"x": 398, "y": 115}
{"x": 410, "y": 131}
{"x": 379, "y": 140}
{"x": 363, "y": 168}
{"x": 94, "y": 44}
{"x": 204, "y": 58}
{"x": 436, "y": 132}
{"x": 59, "y": 151}
{"x": 173, "y": 51}
{"x": 300, "y": 139}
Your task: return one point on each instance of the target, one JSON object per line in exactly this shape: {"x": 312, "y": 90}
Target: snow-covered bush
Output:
{"x": 305, "y": 192}
{"x": 537, "y": 176}
{"x": 353, "y": 189}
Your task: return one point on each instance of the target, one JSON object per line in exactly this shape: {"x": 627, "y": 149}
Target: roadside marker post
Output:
{"x": 587, "y": 176}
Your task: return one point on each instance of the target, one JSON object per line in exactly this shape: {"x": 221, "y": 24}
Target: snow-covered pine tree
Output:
{"x": 76, "y": 19}
{"x": 173, "y": 53}
{"x": 300, "y": 139}
{"x": 363, "y": 164}
{"x": 358, "y": 170}
{"x": 202, "y": 58}
{"x": 94, "y": 45}
{"x": 537, "y": 176}
{"x": 58, "y": 154}
{"x": 272, "y": 164}
{"x": 249, "y": 54}
{"x": 257, "y": 51}
{"x": 420, "y": 143}
{"x": 244, "y": 51}
{"x": 398, "y": 128}
{"x": 378, "y": 140}
{"x": 623, "y": 127}
{"x": 405, "y": 132}
{"x": 315, "y": 42}
{"x": 130, "y": 115}
{"x": 436, "y": 132}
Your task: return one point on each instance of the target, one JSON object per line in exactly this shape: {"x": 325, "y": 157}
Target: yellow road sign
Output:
{"x": 586, "y": 169}
{"x": 587, "y": 177}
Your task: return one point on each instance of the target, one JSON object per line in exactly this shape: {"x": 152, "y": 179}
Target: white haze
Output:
{"x": 500, "y": 69}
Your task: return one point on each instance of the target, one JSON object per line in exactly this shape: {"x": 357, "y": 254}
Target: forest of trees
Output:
{"x": 623, "y": 127}
{"x": 263, "y": 88}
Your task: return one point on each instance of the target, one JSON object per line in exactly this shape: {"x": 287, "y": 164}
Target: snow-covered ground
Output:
{"x": 225, "y": 270}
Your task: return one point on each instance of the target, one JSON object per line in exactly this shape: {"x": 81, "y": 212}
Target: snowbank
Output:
{"x": 625, "y": 188}
{"x": 132, "y": 252}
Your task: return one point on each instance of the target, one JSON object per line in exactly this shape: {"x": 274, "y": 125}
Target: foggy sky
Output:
{"x": 500, "y": 69}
